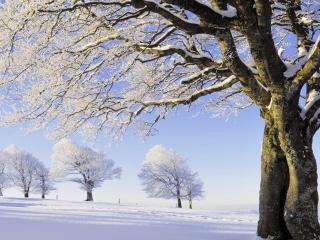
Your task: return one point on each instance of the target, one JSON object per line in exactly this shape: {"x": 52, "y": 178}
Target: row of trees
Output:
{"x": 165, "y": 174}
{"x": 71, "y": 162}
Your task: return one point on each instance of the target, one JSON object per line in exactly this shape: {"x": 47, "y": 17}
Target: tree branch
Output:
{"x": 309, "y": 68}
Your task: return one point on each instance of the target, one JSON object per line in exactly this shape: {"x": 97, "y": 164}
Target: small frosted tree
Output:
{"x": 193, "y": 188}
{"x": 44, "y": 182}
{"x": 23, "y": 167}
{"x": 4, "y": 175}
{"x": 87, "y": 167}
{"x": 164, "y": 173}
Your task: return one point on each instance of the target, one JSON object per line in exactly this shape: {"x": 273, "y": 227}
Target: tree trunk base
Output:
{"x": 301, "y": 227}
{"x": 273, "y": 188}
{"x": 89, "y": 197}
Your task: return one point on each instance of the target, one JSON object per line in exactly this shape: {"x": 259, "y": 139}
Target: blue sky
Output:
{"x": 226, "y": 153}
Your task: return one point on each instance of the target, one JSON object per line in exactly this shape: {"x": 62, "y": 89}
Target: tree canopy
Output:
{"x": 105, "y": 64}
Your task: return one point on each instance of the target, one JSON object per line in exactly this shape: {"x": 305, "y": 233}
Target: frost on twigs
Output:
{"x": 228, "y": 103}
{"x": 66, "y": 67}
{"x": 103, "y": 66}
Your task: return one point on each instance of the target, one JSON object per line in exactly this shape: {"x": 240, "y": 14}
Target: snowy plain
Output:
{"x": 35, "y": 219}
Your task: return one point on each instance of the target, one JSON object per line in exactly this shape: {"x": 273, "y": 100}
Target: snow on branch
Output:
{"x": 306, "y": 67}
{"x": 190, "y": 57}
{"x": 313, "y": 98}
{"x": 226, "y": 83}
{"x": 101, "y": 65}
{"x": 230, "y": 12}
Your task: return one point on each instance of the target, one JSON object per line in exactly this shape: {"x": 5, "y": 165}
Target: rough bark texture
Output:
{"x": 273, "y": 187}
{"x": 301, "y": 207}
{"x": 89, "y": 196}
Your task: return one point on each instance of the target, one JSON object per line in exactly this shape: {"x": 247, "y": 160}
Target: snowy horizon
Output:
{"x": 231, "y": 177}
{"x": 224, "y": 186}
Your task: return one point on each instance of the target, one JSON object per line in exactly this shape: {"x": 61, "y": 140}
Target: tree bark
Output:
{"x": 273, "y": 187}
{"x": 301, "y": 207}
{"x": 89, "y": 196}
{"x": 302, "y": 197}
{"x": 26, "y": 194}
{"x": 1, "y": 194}
{"x": 190, "y": 204}
{"x": 43, "y": 196}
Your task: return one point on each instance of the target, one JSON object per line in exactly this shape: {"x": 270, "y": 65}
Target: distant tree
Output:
{"x": 164, "y": 174}
{"x": 23, "y": 168}
{"x": 44, "y": 182}
{"x": 88, "y": 167}
{"x": 4, "y": 176}
{"x": 193, "y": 188}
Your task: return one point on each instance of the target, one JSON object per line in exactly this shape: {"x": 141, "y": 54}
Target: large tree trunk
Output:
{"x": 301, "y": 207}
{"x": 273, "y": 187}
{"x": 26, "y": 194}
{"x": 302, "y": 197}
{"x": 89, "y": 196}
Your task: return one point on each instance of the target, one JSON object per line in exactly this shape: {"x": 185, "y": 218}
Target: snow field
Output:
{"x": 35, "y": 219}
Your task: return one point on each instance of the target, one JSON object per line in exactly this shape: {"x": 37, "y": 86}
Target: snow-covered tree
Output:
{"x": 23, "y": 168}
{"x": 83, "y": 165}
{"x": 43, "y": 181}
{"x": 193, "y": 188}
{"x": 164, "y": 174}
{"x": 106, "y": 64}
{"x": 5, "y": 180}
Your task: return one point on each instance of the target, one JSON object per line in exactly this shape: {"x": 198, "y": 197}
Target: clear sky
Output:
{"x": 226, "y": 153}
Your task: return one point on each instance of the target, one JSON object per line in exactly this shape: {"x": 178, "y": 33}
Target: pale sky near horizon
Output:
{"x": 226, "y": 154}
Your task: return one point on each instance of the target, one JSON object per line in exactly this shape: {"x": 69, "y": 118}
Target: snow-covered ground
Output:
{"x": 35, "y": 219}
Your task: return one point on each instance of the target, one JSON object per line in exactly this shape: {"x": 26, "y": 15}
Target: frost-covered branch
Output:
{"x": 105, "y": 65}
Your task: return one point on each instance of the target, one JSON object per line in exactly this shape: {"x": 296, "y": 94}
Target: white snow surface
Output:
{"x": 230, "y": 12}
{"x": 62, "y": 220}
